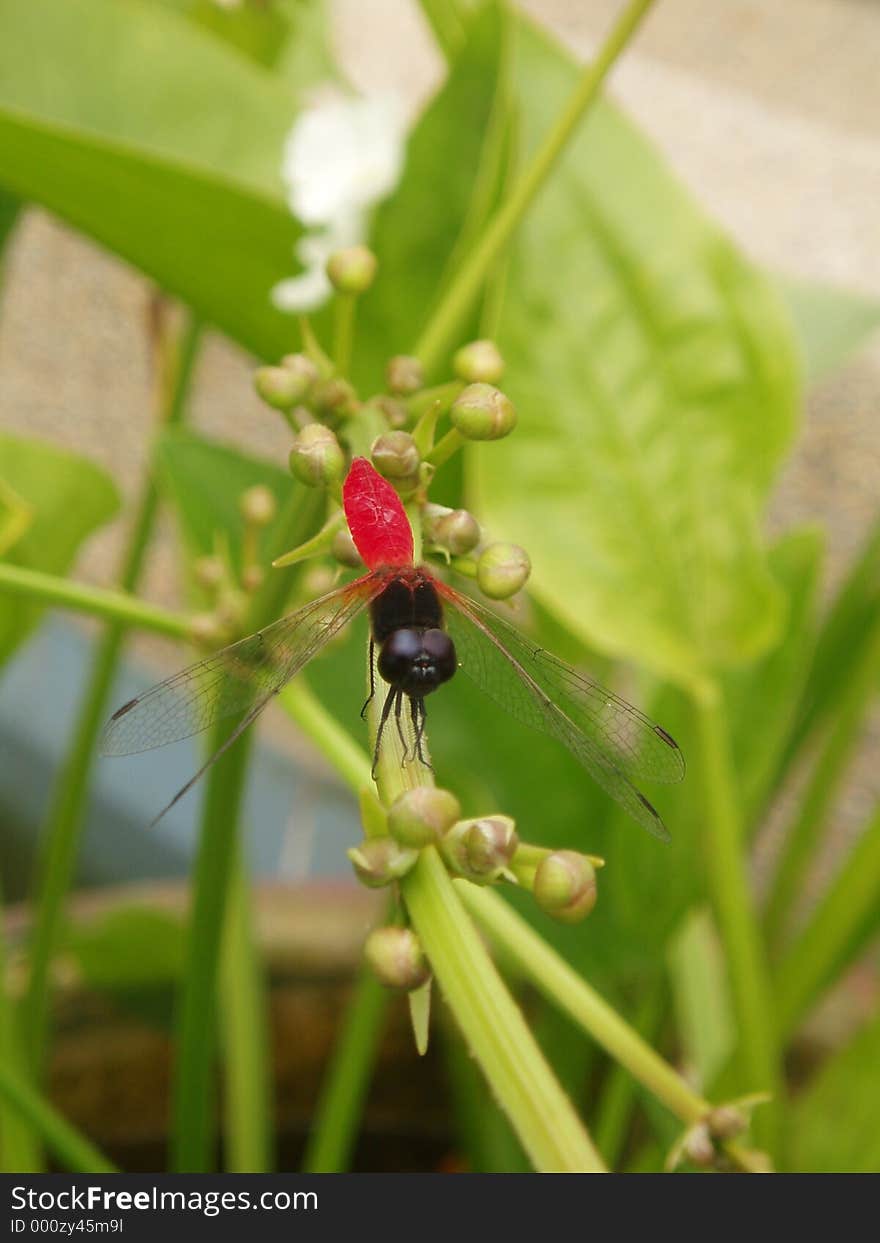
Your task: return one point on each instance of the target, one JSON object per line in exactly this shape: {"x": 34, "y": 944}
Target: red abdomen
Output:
{"x": 376, "y": 517}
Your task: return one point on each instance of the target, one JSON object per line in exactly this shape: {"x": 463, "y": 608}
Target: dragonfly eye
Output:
{"x": 417, "y": 661}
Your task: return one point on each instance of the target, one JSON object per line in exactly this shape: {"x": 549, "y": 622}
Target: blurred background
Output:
{"x": 769, "y": 112}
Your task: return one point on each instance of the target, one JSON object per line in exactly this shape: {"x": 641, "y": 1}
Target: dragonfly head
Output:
{"x": 417, "y": 661}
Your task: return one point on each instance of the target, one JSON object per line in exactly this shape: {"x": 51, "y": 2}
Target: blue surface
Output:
{"x": 296, "y": 823}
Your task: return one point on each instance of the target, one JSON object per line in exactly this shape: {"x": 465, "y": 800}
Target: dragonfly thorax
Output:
{"x": 417, "y": 661}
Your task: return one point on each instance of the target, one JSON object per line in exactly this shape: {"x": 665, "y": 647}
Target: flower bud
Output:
{"x": 252, "y": 577}
{"x": 380, "y": 860}
{"x": 334, "y": 396}
{"x": 726, "y": 1121}
{"x": 352, "y": 270}
{"x": 209, "y": 572}
{"x": 278, "y": 387}
{"x": 502, "y": 570}
{"x": 480, "y": 362}
{"x": 395, "y": 455}
{"x": 305, "y": 371}
{"x": 258, "y": 505}
{"x": 481, "y": 412}
{"x": 420, "y": 817}
{"x": 698, "y": 1146}
{"x": 396, "y": 956}
{"x": 565, "y": 886}
{"x": 431, "y": 516}
{"x": 480, "y": 850}
{"x": 404, "y": 375}
{"x": 344, "y": 551}
{"x": 207, "y": 630}
{"x": 316, "y": 458}
{"x": 458, "y": 531}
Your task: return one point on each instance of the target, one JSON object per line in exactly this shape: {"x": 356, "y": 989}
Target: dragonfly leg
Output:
{"x": 419, "y": 719}
{"x": 386, "y": 710}
{"x": 369, "y": 698}
{"x": 398, "y": 706}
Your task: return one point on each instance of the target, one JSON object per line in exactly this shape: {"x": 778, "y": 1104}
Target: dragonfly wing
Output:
{"x": 611, "y": 739}
{"x": 238, "y": 679}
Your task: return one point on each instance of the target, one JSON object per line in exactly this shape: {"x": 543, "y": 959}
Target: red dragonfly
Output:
{"x": 424, "y": 631}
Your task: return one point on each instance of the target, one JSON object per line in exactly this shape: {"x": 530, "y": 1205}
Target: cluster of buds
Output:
{"x": 397, "y": 429}
{"x": 227, "y": 589}
{"x": 483, "y": 850}
{"x": 702, "y": 1143}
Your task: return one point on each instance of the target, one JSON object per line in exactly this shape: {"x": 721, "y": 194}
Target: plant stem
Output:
{"x": 493, "y": 1026}
{"x": 69, "y": 797}
{"x": 344, "y": 312}
{"x": 737, "y": 923}
{"x": 615, "y": 1105}
{"x": 114, "y": 606}
{"x": 462, "y": 292}
{"x": 851, "y": 901}
{"x": 71, "y": 1148}
{"x": 563, "y": 987}
{"x": 346, "y": 1080}
{"x": 192, "y": 1103}
{"x": 247, "y": 1074}
{"x": 334, "y": 742}
{"x": 822, "y": 788}
{"x": 19, "y": 1149}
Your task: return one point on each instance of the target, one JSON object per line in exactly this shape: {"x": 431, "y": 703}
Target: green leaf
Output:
{"x": 158, "y": 141}
{"x": 833, "y": 1125}
{"x": 415, "y": 232}
{"x": 656, "y": 383}
{"x": 830, "y": 323}
{"x": 68, "y": 498}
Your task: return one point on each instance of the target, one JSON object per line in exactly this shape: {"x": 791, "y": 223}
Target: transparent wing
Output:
{"x": 240, "y": 678}
{"x": 611, "y": 739}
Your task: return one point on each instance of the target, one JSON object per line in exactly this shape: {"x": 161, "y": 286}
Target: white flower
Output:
{"x": 343, "y": 155}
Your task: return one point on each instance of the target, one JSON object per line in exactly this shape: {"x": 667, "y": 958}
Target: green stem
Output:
{"x": 851, "y": 901}
{"x": 345, "y": 310}
{"x": 114, "y": 606}
{"x": 347, "y": 1079}
{"x": 493, "y": 1026}
{"x": 247, "y": 1074}
{"x": 334, "y": 742}
{"x": 19, "y": 1150}
{"x": 69, "y": 797}
{"x": 737, "y": 923}
{"x": 70, "y": 1148}
{"x": 563, "y": 987}
{"x": 193, "y": 1095}
{"x": 464, "y": 289}
{"x": 821, "y": 790}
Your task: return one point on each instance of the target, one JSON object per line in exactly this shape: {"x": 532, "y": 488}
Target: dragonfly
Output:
{"x": 424, "y": 632}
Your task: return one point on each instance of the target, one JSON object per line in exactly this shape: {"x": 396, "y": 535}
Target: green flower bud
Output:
{"x": 380, "y": 860}
{"x": 334, "y": 397}
{"x": 565, "y": 886}
{"x": 207, "y": 630}
{"x": 316, "y": 458}
{"x": 480, "y": 362}
{"x": 481, "y": 412}
{"x": 344, "y": 551}
{"x": 258, "y": 505}
{"x": 458, "y": 531}
{"x": 277, "y": 386}
{"x": 502, "y": 570}
{"x": 352, "y": 270}
{"x": 726, "y": 1121}
{"x": 305, "y": 370}
{"x": 480, "y": 850}
{"x": 395, "y": 455}
{"x": 404, "y": 375}
{"x": 421, "y": 816}
{"x": 431, "y": 516}
{"x": 210, "y": 572}
{"x": 396, "y": 956}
